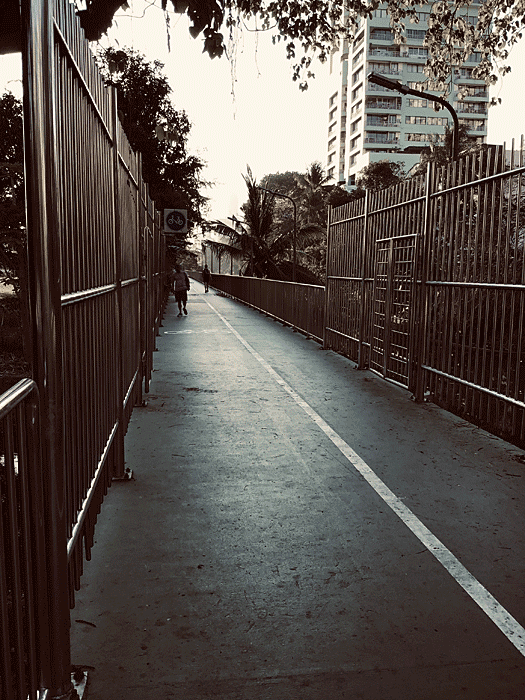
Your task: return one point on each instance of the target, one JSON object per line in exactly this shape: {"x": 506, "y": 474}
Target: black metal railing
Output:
{"x": 24, "y": 612}
{"x": 298, "y": 305}
{"x": 96, "y": 295}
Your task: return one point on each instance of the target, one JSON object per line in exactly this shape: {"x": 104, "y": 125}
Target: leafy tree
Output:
{"x": 159, "y": 131}
{"x": 312, "y": 194}
{"x": 440, "y": 150}
{"x": 264, "y": 237}
{"x": 380, "y": 175}
{"x": 254, "y": 235}
{"x": 12, "y": 213}
{"x": 313, "y": 28}
{"x": 339, "y": 196}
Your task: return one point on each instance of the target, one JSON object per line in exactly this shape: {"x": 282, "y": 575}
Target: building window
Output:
{"x": 383, "y": 102}
{"x": 464, "y": 73}
{"x": 384, "y": 51}
{"x": 330, "y": 173}
{"x": 332, "y": 114}
{"x": 332, "y": 100}
{"x": 417, "y": 51}
{"x": 475, "y": 57}
{"x": 437, "y": 121}
{"x": 357, "y": 76}
{"x": 417, "y": 102}
{"x": 354, "y": 142}
{"x": 358, "y": 58}
{"x": 429, "y": 121}
{"x": 331, "y": 143}
{"x": 380, "y": 13}
{"x": 383, "y": 119}
{"x": 383, "y": 67}
{"x": 416, "y": 86}
{"x": 356, "y": 108}
{"x": 471, "y": 107}
{"x": 382, "y": 137}
{"x": 415, "y": 33}
{"x": 381, "y": 34}
{"x": 472, "y": 90}
{"x": 355, "y": 126}
{"x": 414, "y": 67}
{"x": 474, "y": 124}
{"x": 422, "y": 137}
{"x": 356, "y": 92}
{"x": 353, "y": 159}
{"x": 359, "y": 40}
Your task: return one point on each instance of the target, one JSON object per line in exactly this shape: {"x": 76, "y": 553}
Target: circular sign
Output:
{"x": 176, "y": 220}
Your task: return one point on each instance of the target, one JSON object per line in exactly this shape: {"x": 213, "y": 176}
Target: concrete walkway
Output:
{"x": 298, "y": 529}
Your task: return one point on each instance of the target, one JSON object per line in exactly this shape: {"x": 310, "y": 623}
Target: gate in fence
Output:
{"x": 97, "y": 281}
{"x": 392, "y": 306}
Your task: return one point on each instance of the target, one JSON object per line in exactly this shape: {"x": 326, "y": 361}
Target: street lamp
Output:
{"x": 403, "y": 89}
{"x": 294, "y": 243}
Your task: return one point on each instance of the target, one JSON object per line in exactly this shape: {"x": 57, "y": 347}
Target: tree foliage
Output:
{"x": 312, "y": 194}
{"x": 12, "y": 212}
{"x": 380, "y": 175}
{"x": 439, "y": 151}
{"x": 313, "y": 29}
{"x": 156, "y": 129}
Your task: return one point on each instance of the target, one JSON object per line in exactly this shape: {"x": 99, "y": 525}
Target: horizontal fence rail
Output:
{"x": 298, "y": 305}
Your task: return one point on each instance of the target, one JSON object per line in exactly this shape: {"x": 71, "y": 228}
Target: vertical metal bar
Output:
{"x": 120, "y": 390}
{"x": 387, "y": 329}
{"x": 45, "y": 303}
{"x": 361, "y": 362}
{"x": 421, "y": 321}
{"x": 328, "y": 270}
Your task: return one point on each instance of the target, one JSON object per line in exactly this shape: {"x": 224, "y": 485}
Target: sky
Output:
{"x": 248, "y": 111}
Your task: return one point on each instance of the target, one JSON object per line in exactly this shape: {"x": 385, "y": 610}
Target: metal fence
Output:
{"x": 298, "y": 305}
{"x": 426, "y": 287}
{"x": 97, "y": 291}
{"x": 23, "y": 581}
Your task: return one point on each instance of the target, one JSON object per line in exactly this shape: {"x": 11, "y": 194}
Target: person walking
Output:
{"x": 181, "y": 286}
{"x": 206, "y": 274}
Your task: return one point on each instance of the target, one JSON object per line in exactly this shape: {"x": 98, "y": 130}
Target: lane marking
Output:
{"x": 191, "y": 332}
{"x": 507, "y": 624}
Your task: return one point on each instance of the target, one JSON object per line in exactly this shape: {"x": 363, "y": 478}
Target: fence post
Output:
{"x": 361, "y": 362}
{"x": 118, "y": 466}
{"x": 327, "y": 279}
{"x": 421, "y": 306}
{"x": 43, "y": 225}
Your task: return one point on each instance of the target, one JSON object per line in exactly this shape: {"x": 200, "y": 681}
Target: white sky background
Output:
{"x": 267, "y": 122}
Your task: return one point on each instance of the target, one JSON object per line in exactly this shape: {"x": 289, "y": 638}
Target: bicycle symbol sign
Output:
{"x": 175, "y": 220}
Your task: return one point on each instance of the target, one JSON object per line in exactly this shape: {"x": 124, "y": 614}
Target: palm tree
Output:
{"x": 312, "y": 191}
{"x": 261, "y": 246}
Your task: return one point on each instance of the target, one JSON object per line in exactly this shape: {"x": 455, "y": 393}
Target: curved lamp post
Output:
{"x": 279, "y": 194}
{"x": 403, "y": 89}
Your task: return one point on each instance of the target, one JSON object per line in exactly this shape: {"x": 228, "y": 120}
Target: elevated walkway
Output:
{"x": 297, "y": 529}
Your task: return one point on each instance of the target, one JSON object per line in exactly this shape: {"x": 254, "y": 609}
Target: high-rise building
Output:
{"x": 368, "y": 123}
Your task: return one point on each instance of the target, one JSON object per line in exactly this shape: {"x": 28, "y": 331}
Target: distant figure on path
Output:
{"x": 206, "y": 274}
{"x": 181, "y": 285}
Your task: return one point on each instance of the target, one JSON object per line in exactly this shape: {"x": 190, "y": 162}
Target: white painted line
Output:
{"x": 510, "y": 627}
{"x": 192, "y": 332}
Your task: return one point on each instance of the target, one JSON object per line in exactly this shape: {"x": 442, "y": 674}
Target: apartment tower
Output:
{"x": 368, "y": 123}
